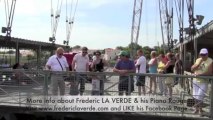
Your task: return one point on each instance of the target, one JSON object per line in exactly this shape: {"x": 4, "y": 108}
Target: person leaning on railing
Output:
{"x": 202, "y": 66}
{"x": 80, "y": 64}
{"x": 56, "y": 64}
{"x": 123, "y": 67}
{"x": 98, "y": 81}
{"x": 169, "y": 67}
{"x": 160, "y": 69}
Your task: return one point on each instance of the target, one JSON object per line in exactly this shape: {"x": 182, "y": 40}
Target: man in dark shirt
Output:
{"x": 124, "y": 66}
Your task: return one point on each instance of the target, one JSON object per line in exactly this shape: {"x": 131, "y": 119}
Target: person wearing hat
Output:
{"x": 123, "y": 67}
{"x": 202, "y": 66}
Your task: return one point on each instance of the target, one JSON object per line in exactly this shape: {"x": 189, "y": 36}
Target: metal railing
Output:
{"x": 16, "y": 90}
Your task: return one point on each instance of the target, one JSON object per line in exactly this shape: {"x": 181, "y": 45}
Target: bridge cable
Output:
{"x": 9, "y": 13}
{"x": 55, "y": 19}
{"x": 70, "y": 21}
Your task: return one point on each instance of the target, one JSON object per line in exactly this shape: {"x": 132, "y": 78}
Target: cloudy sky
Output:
{"x": 98, "y": 24}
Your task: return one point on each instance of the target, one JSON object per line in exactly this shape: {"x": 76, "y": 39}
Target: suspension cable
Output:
{"x": 12, "y": 11}
{"x": 9, "y": 13}
{"x": 156, "y": 11}
{"x": 146, "y": 20}
{"x": 179, "y": 5}
{"x": 6, "y": 10}
{"x": 55, "y": 19}
{"x": 58, "y": 12}
{"x": 71, "y": 21}
{"x": 161, "y": 17}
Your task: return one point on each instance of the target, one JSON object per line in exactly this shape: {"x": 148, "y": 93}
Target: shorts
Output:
{"x": 169, "y": 81}
{"x": 199, "y": 90}
{"x": 124, "y": 84}
{"x": 140, "y": 81}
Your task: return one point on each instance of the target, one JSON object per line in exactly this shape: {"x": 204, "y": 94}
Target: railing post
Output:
{"x": 129, "y": 85}
{"x": 46, "y": 78}
{"x": 211, "y": 100}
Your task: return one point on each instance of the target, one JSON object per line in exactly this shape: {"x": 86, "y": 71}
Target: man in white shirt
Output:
{"x": 80, "y": 63}
{"x": 140, "y": 68}
{"x": 56, "y": 63}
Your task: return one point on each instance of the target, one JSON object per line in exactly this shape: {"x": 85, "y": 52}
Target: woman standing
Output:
{"x": 169, "y": 67}
{"x": 153, "y": 69}
{"x": 98, "y": 81}
{"x": 202, "y": 66}
{"x": 160, "y": 69}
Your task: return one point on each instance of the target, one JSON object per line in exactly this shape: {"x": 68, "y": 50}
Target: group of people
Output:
{"x": 161, "y": 64}
{"x": 157, "y": 64}
{"x": 80, "y": 63}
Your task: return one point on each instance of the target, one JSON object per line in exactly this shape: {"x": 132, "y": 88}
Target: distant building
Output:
{"x": 111, "y": 54}
{"x": 26, "y": 52}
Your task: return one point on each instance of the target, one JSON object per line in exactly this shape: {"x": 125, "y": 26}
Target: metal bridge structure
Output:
{"x": 35, "y": 84}
{"x": 20, "y": 44}
{"x": 136, "y": 20}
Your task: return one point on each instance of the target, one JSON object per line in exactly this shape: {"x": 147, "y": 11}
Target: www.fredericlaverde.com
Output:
{"x": 65, "y": 108}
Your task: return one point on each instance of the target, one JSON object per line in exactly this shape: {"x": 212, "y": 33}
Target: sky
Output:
{"x": 98, "y": 24}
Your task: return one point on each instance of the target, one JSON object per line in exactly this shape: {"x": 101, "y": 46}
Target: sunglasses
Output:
{"x": 60, "y": 54}
{"x": 84, "y": 52}
{"x": 203, "y": 54}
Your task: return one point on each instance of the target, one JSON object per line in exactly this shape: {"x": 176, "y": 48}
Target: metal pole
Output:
{"x": 39, "y": 57}
{"x": 195, "y": 48}
{"x": 129, "y": 85}
{"x": 211, "y": 100}
{"x": 17, "y": 52}
{"x": 46, "y": 78}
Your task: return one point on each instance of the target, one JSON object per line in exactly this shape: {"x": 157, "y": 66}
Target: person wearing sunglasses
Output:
{"x": 80, "y": 63}
{"x": 202, "y": 66}
{"x": 55, "y": 64}
{"x": 98, "y": 81}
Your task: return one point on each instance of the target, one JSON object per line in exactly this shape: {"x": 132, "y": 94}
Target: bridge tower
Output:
{"x": 136, "y": 20}
{"x": 166, "y": 19}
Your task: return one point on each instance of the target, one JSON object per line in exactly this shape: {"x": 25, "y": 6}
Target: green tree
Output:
{"x": 11, "y": 52}
{"x": 120, "y": 48}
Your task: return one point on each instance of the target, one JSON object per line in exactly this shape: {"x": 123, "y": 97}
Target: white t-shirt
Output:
{"x": 81, "y": 62}
{"x": 141, "y": 61}
{"x": 54, "y": 64}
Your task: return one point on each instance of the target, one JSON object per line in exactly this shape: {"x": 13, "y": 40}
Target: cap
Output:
{"x": 203, "y": 51}
{"x": 123, "y": 53}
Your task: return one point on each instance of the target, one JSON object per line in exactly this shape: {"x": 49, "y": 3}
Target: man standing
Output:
{"x": 124, "y": 66}
{"x": 141, "y": 68}
{"x": 56, "y": 63}
{"x": 202, "y": 66}
{"x": 80, "y": 63}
